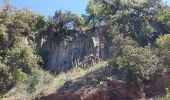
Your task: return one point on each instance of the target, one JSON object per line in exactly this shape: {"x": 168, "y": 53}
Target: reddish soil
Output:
{"x": 116, "y": 90}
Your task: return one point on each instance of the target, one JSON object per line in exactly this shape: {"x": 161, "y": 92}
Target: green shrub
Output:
{"x": 5, "y": 79}
{"x": 3, "y": 33}
{"x": 22, "y": 56}
{"x": 119, "y": 41}
{"x": 135, "y": 62}
{"x": 37, "y": 80}
{"x": 163, "y": 16}
{"x": 19, "y": 61}
{"x": 163, "y": 42}
{"x": 19, "y": 77}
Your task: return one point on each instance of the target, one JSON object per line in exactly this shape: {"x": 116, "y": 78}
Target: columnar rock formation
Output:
{"x": 80, "y": 49}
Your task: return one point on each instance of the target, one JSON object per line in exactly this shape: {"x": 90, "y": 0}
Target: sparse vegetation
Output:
{"x": 40, "y": 82}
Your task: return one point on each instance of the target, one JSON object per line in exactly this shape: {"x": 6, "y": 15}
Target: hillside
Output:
{"x": 118, "y": 50}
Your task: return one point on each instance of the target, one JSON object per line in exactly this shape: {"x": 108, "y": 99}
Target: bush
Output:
{"x": 37, "y": 80}
{"x": 163, "y": 42}
{"x": 119, "y": 41}
{"x": 19, "y": 77}
{"x": 163, "y": 16}
{"x": 22, "y": 56}
{"x": 136, "y": 63}
{"x": 19, "y": 60}
{"x": 5, "y": 81}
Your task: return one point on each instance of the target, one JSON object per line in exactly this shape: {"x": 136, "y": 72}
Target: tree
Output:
{"x": 164, "y": 17}
{"x": 91, "y": 10}
{"x": 60, "y": 23}
{"x": 94, "y": 12}
{"x": 16, "y": 57}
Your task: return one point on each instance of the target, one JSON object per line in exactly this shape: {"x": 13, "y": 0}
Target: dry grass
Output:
{"x": 71, "y": 76}
{"x": 57, "y": 83}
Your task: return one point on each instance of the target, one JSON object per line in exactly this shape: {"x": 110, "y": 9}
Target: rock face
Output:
{"x": 81, "y": 49}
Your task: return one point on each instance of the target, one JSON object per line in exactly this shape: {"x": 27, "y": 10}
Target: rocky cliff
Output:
{"x": 78, "y": 49}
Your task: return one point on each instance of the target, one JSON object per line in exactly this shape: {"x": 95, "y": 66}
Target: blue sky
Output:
{"x": 48, "y": 7}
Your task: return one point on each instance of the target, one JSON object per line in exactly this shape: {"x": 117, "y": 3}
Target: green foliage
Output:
{"x": 136, "y": 63}
{"x": 19, "y": 77}
{"x": 3, "y": 36}
{"x": 167, "y": 96}
{"x": 120, "y": 40}
{"x": 137, "y": 29}
{"x": 5, "y": 79}
{"x": 165, "y": 59}
{"x": 20, "y": 61}
{"x": 163, "y": 16}
{"x": 94, "y": 11}
{"x": 117, "y": 42}
{"x": 41, "y": 25}
{"x": 3, "y": 33}
{"x": 132, "y": 17}
{"x": 59, "y": 25}
{"x": 163, "y": 42}
{"x": 17, "y": 58}
{"x": 36, "y": 81}
{"x": 66, "y": 20}
{"x": 22, "y": 56}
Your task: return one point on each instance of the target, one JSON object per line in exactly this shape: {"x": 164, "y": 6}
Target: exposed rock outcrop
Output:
{"x": 80, "y": 49}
